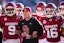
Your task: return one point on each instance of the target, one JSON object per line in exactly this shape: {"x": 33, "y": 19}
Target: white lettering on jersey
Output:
{"x": 11, "y": 30}
{"x": 11, "y": 23}
{"x": 51, "y": 31}
{"x": 11, "y": 27}
{"x": 51, "y": 26}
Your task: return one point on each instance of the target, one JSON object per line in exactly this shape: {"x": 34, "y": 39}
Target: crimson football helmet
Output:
{"x": 10, "y": 8}
{"x": 61, "y": 6}
{"x": 19, "y": 8}
{"x": 61, "y": 9}
{"x": 40, "y": 7}
{"x": 50, "y": 10}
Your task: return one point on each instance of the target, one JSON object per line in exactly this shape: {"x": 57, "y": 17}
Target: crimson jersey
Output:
{"x": 40, "y": 19}
{"x": 44, "y": 33}
{"x": 52, "y": 28}
{"x": 10, "y": 25}
{"x": 35, "y": 15}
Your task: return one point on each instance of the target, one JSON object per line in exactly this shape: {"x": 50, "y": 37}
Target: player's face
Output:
{"x": 61, "y": 11}
{"x": 10, "y": 11}
{"x": 40, "y": 11}
{"x": 26, "y": 13}
{"x": 19, "y": 11}
{"x": 49, "y": 13}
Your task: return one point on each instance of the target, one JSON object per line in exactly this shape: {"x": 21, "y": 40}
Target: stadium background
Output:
{"x": 31, "y": 3}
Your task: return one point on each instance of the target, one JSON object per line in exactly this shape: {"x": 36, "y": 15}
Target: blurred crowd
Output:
{"x": 31, "y": 3}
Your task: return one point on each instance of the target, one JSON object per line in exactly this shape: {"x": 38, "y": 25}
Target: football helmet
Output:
{"x": 19, "y": 8}
{"x": 40, "y": 7}
{"x": 50, "y": 10}
{"x": 61, "y": 9}
{"x": 10, "y": 8}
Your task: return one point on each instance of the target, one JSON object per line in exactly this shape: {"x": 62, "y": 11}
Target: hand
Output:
{"x": 28, "y": 36}
{"x": 23, "y": 34}
{"x": 34, "y": 34}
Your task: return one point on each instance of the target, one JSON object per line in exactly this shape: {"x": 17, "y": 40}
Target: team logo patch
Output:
{"x": 39, "y": 18}
{"x": 5, "y": 19}
{"x": 57, "y": 17}
{"x": 44, "y": 22}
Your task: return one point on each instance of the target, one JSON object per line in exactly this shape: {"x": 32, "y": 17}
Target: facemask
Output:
{"x": 10, "y": 13}
{"x": 49, "y": 16}
{"x": 61, "y": 12}
{"x": 40, "y": 13}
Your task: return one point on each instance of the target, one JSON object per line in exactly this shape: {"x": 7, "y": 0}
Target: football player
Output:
{"x": 61, "y": 12}
{"x": 40, "y": 12}
{"x": 19, "y": 8}
{"x": 51, "y": 24}
{"x": 40, "y": 7}
{"x": 9, "y": 23}
{"x": 19, "y": 13}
